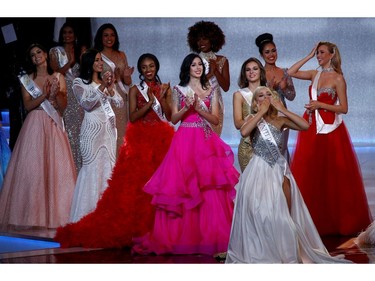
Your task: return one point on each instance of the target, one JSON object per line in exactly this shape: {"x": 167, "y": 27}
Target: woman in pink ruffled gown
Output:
{"x": 193, "y": 188}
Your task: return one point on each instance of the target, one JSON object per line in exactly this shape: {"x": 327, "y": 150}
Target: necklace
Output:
{"x": 208, "y": 56}
{"x": 329, "y": 69}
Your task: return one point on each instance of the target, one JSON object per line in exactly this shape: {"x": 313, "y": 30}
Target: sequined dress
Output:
{"x": 263, "y": 230}
{"x": 98, "y": 146}
{"x": 124, "y": 210}
{"x": 328, "y": 174}
{"x": 73, "y": 114}
{"x": 245, "y": 149}
{"x": 192, "y": 190}
{"x": 122, "y": 114}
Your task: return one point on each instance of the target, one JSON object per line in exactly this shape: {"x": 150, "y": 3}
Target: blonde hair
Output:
{"x": 272, "y": 111}
{"x": 336, "y": 59}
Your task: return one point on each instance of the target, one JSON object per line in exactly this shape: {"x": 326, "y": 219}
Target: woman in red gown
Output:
{"x": 124, "y": 210}
{"x": 324, "y": 164}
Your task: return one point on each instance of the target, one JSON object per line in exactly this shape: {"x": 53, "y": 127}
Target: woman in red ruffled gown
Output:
{"x": 193, "y": 188}
{"x": 324, "y": 164}
{"x": 124, "y": 210}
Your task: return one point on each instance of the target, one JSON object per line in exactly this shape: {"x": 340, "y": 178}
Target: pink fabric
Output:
{"x": 193, "y": 192}
{"x": 39, "y": 183}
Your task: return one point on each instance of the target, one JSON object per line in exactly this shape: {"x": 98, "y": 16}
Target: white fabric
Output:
{"x": 98, "y": 147}
{"x": 263, "y": 230}
{"x": 321, "y": 127}
{"x": 247, "y": 95}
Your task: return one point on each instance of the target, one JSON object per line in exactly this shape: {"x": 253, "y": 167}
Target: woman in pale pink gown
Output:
{"x": 39, "y": 183}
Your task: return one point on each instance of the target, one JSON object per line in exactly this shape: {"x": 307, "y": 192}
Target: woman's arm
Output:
{"x": 137, "y": 113}
{"x": 304, "y": 75}
{"x": 238, "y": 101}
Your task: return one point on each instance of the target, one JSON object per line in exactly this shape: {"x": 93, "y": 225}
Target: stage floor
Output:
{"x": 38, "y": 247}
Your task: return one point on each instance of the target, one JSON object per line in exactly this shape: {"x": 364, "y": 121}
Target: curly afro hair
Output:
{"x": 209, "y": 30}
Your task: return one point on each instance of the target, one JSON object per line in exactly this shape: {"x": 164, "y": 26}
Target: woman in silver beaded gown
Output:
{"x": 271, "y": 223}
{"x": 65, "y": 60}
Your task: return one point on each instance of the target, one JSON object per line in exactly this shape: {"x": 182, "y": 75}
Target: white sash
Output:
{"x": 156, "y": 106}
{"x": 35, "y": 92}
{"x": 269, "y": 140}
{"x": 247, "y": 95}
{"x": 62, "y": 58}
{"x": 112, "y": 65}
{"x": 106, "y": 105}
{"x": 188, "y": 92}
{"x": 321, "y": 127}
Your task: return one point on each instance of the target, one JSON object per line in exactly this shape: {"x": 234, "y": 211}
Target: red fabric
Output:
{"x": 328, "y": 175}
{"x": 125, "y": 210}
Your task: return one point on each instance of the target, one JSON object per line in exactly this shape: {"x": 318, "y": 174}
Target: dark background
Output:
{"x": 13, "y": 54}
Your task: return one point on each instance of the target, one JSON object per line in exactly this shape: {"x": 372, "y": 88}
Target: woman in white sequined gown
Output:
{"x": 207, "y": 38}
{"x": 271, "y": 223}
{"x": 65, "y": 60}
{"x": 98, "y": 132}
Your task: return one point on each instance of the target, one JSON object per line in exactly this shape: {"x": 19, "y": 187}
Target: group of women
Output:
{"x": 143, "y": 185}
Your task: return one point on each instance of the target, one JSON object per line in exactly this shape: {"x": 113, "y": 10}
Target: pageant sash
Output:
{"x": 62, "y": 58}
{"x": 247, "y": 95}
{"x": 105, "y": 104}
{"x": 321, "y": 127}
{"x": 156, "y": 106}
{"x": 188, "y": 92}
{"x": 269, "y": 139}
{"x": 112, "y": 65}
{"x": 35, "y": 92}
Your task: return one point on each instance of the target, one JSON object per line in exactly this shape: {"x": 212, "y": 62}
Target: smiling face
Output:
{"x": 252, "y": 71}
{"x": 148, "y": 69}
{"x": 204, "y": 44}
{"x": 196, "y": 68}
{"x": 98, "y": 63}
{"x": 269, "y": 53}
{"x": 68, "y": 35}
{"x": 108, "y": 37}
{"x": 323, "y": 56}
{"x": 38, "y": 56}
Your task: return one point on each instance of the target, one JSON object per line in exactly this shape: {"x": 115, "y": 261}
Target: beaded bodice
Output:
{"x": 260, "y": 145}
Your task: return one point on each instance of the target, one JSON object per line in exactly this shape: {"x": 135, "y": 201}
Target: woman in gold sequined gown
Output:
{"x": 252, "y": 75}
{"x": 107, "y": 42}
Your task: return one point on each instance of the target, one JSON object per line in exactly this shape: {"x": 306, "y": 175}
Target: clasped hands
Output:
{"x": 108, "y": 82}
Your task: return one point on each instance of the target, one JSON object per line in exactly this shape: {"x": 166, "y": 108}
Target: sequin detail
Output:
{"x": 260, "y": 145}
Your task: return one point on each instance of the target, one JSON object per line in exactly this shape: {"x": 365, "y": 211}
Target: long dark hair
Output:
{"x": 185, "y": 71}
{"x": 87, "y": 61}
{"x": 77, "y": 47}
{"x": 157, "y": 65}
{"x": 30, "y": 65}
{"x": 98, "y": 41}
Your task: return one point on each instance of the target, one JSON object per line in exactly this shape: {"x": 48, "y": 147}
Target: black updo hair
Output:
{"x": 262, "y": 40}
